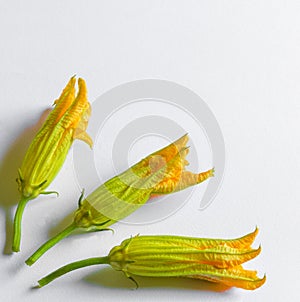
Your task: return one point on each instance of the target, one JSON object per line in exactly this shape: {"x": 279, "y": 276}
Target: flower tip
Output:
{"x": 81, "y": 82}
{"x": 185, "y": 137}
{"x": 259, "y": 282}
{"x": 181, "y": 142}
{"x": 256, "y": 252}
{"x": 255, "y": 232}
{"x": 66, "y": 91}
{"x": 259, "y": 248}
{"x": 82, "y": 93}
{"x": 251, "y": 236}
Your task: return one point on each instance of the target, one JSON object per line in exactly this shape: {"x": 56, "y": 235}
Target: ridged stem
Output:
{"x": 18, "y": 224}
{"x": 71, "y": 267}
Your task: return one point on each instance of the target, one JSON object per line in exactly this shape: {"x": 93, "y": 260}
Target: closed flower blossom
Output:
{"x": 48, "y": 150}
{"x": 162, "y": 172}
{"x": 214, "y": 260}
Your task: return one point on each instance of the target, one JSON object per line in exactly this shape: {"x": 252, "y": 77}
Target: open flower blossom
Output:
{"x": 48, "y": 150}
{"x": 162, "y": 172}
{"x": 214, "y": 260}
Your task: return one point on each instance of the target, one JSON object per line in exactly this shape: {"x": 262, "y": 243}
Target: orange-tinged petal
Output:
{"x": 63, "y": 103}
{"x": 182, "y": 181}
{"x": 233, "y": 277}
{"x": 243, "y": 242}
{"x": 173, "y": 159}
{"x": 159, "y": 159}
{"x": 171, "y": 150}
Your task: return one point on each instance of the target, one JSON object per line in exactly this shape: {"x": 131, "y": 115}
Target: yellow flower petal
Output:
{"x": 233, "y": 277}
{"x": 173, "y": 159}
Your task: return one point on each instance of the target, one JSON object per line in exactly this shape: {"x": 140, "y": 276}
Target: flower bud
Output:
{"x": 176, "y": 256}
{"x": 48, "y": 150}
{"x": 214, "y": 260}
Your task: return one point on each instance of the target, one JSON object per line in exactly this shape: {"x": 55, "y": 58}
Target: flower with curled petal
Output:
{"x": 214, "y": 260}
{"x": 48, "y": 150}
{"x": 162, "y": 172}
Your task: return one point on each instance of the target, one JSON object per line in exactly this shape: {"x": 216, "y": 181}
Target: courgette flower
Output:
{"x": 162, "y": 172}
{"x": 214, "y": 260}
{"x": 48, "y": 150}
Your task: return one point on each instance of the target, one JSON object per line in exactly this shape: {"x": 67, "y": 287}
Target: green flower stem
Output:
{"x": 51, "y": 242}
{"x": 18, "y": 224}
{"x": 71, "y": 267}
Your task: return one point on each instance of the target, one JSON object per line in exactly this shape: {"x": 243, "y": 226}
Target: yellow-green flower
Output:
{"x": 161, "y": 172}
{"x": 215, "y": 260}
{"x": 47, "y": 152}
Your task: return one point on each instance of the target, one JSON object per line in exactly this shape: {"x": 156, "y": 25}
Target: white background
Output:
{"x": 241, "y": 57}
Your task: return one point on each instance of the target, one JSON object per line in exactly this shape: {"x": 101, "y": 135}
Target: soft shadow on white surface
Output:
{"x": 62, "y": 224}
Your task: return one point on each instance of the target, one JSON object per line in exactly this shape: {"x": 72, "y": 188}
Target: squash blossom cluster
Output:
{"x": 162, "y": 172}
{"x": 214, "y": 260}
{"x": 48, "y": 150}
